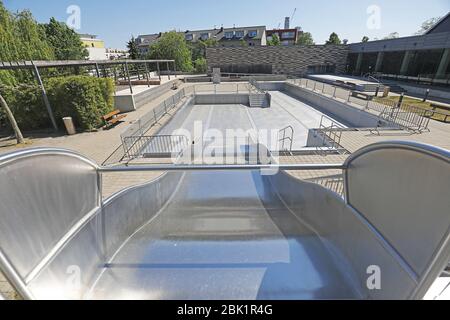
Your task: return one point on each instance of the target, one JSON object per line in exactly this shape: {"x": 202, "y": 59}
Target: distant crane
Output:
{"x": 293, "y": 15}
{"x": 288, "y": 20}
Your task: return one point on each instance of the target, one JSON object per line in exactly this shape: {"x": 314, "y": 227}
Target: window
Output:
{"x": 288, "y": 35}
{"x": 253, "y": 33}
{"x": 239, "y": 34}
{"x": 322, "y": 69}
{"x": 189, "y": 37}
{"x": 229, "y": 34}
{"x": 204, "y": 36}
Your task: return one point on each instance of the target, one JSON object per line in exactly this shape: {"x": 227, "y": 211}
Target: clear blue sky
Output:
{"x": 115, "y": 21}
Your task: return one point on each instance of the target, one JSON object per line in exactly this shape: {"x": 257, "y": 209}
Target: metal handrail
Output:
{"x": 331, "y": 134}
{"x": 162, "y": 144}
{"x": 407, "y": 117}
{"x": 370, "y": 76}
{"x": 163, "y": 168}
{"x": 254, "y": 85}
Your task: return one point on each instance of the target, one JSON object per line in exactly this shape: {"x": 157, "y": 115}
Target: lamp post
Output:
{"x": 427, "y": 93}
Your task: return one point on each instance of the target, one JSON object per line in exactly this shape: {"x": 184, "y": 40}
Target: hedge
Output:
{"x": 86, "y": 99}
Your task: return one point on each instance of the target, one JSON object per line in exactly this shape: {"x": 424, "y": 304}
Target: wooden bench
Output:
{"x": 112, "y": 118}
{"x": 435, "y": 106}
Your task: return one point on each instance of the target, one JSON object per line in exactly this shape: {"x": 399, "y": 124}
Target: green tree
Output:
{"x": 275, "y": 41}
{"x": 243, "y": 43}
{"x": 31, "y": 38}
{"x": 133, "y": 49}
{"x": 200, "y": 65}
{"x": 198, "y": 48}
{"x": 305, "y": 38}
{"x": 208, "y": 43}
{"x": 334, "y": 39}
{"x": 365, "y": 39}
{"x": 21, "y": 38}
{"x": 172, "y": 45}
{"x": 65, "y": 42}
{"x": 392, "y": 35}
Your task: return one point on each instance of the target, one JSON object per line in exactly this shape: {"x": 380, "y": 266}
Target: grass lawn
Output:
{"x": 417, "y": 103}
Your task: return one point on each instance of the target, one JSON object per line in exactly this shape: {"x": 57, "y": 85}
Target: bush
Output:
{"x": 85, "y": 99}
{"x": 28, "y": 108}
{"x": 200, "y": 65}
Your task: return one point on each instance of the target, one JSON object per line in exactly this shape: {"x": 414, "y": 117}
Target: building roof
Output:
{"x": 431, "y": 41}
{"x": 443, "y": 25}
{"x": 147, "y": 39}
{"x": 87, "y": 36}
{"x": 218, "y": 34}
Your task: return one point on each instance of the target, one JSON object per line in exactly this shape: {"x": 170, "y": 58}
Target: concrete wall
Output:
{"x": 283, "y": 59}
{"x": 345, "y": 114}
{"x": 96, "y": 53}
{"x": 131, "y": 102}
{"x": 151, "y": 94}
{"x": 222, "y": 99}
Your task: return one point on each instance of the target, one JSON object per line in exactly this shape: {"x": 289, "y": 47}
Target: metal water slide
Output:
{"x": 226, "y": 232}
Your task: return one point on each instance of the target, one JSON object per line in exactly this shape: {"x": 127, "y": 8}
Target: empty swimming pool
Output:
{"x": 284, "y": 111}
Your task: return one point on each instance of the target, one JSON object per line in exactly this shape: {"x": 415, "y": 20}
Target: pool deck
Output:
{"x": 333, "y": 78}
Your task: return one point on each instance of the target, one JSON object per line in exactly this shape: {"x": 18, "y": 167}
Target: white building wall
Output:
{"x": 97, "y": 53}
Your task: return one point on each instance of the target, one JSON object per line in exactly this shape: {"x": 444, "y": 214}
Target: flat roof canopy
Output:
{"x": 71, "y": 63}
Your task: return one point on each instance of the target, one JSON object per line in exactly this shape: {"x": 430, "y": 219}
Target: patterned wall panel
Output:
{"x": 283, "y": 60}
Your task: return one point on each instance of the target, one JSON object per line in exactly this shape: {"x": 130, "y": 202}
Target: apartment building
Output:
{"x": 145, "y": 41}
{"x": 225, "y": 37}
{"x": 230, "y": 37}
{"x": 95, "y": 46}
{"x": 287, "y": 36}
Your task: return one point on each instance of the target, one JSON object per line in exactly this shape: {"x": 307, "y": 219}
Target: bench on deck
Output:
{"x": 112, "y": 118}
{"x": 435, "y": 106}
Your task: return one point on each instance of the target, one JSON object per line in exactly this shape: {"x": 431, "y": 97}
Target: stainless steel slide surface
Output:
{"x": 223, "y": 235}
{"x": 226, "y": 232}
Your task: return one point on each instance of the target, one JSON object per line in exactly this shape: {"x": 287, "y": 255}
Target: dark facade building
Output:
{"x": 295, "y": 60}
{"x": 287, "y": 36}
{"x": 417, "y": 58}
